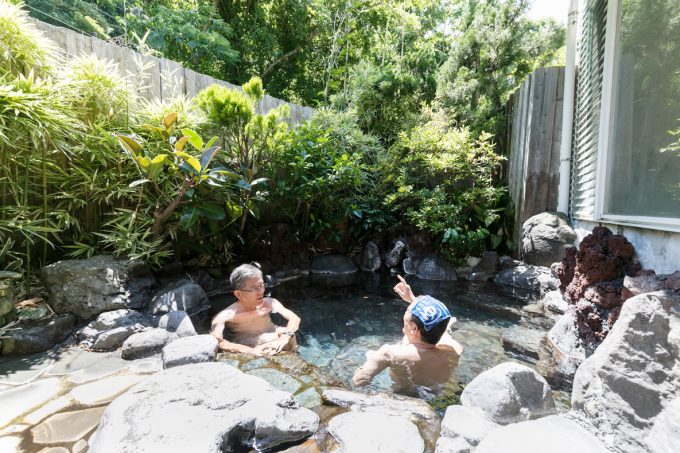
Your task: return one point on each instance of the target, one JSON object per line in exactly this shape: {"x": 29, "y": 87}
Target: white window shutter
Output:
{"x": 587, "y": 115}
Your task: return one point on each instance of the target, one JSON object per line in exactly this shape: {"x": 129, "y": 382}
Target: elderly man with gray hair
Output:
{"x": 248, "y": 319}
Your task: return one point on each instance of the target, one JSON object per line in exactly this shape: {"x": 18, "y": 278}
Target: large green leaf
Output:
{"x": 195, "y": 139}
{"x": 212, "y": 210}
{"x": 129, "y": 145}
{"x": 208, "y": 156}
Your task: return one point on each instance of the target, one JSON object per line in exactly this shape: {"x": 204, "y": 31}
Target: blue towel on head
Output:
{"x": 430, "y": 311}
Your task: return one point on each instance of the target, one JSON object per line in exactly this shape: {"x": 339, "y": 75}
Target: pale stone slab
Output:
{"x": 112, "y": 364}
{"x": 23, "y": 399}
{"x": 54, "y": 450}
{"x": 80, "y": 446}
{"x": 147, "y": 365}
{"x": 21, "y": 370}
{"x": 10, "y": 443}
{"x": 67, "y": 426}
{"x": 105, "y": 390}
{"x": 375, "y": 432}
{"x": 48, "y": 409}
{"x": 73, "y": 360}
{"x": 13, "y": 429}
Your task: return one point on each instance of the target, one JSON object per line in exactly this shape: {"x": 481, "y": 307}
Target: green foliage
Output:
{"x": 22, "y": 48}
{"x": 321, "y": 176}
{"x": 190, "y": 33}
{"x": 250, "y": 138}
{"x": 442, "y": 180}
{"x": 496, "y": 49}
{"x": 89, "y": 17}
{"x": 385, "y": 99}
{"x": 230, "y": 109}
{"x": 96, "y": 90}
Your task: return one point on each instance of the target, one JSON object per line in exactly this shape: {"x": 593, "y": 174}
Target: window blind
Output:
{"x": 587, "y": 115}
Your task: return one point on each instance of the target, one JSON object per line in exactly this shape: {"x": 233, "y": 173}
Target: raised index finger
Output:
{"x": 401, "y": 278}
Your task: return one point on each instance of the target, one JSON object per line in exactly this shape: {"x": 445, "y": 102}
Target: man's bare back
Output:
{"x": 418, "y": 360}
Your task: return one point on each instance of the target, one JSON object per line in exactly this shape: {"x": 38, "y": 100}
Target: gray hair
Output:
{"x": 242, "y": 274}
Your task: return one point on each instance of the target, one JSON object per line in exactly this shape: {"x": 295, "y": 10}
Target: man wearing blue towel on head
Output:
{"x": 426, "y": 356}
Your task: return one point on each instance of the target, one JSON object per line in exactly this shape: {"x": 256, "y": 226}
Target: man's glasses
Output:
{"x": 258, "y": 288}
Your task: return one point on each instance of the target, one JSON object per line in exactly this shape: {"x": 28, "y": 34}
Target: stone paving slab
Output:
{"x": 111, "y": 364}
{"x": 21, "y": 370}
{"x": 10, "y": 443}
{"x": 54, "y": 450}
{"x": 73, "y": 360}
{"x": 67, "y": 426}
{"x": 146, "y": 365}
{"x": 25, "y": 398}
{"x": 80, "y": 446}
{"x": 48, "y": 409}
{"x": 105, "y": 390}
{"x": 13, "y": 429}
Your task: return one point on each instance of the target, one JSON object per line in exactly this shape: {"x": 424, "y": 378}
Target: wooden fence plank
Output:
{"x": 535, "y": 137}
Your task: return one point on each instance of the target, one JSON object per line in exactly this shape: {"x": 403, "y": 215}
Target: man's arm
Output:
{"x": 275, "y": 346}
{"x": 293, "y": 319}
{"x": 447, "y": 341}
{"x": 217, "y": 331}
{"x": 376, "y": 361}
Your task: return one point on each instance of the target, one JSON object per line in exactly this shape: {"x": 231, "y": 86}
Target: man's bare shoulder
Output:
{"x": 227, "y": 314}
{"x": 395, "y": 352}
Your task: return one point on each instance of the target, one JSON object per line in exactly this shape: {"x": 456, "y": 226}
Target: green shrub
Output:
{"x": 250, "y": 138}
{"x": 441, "y": 179}
{"x": 322, "y": 180}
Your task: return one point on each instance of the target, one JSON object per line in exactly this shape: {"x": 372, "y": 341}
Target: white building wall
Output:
{"x": 656, "y": 250}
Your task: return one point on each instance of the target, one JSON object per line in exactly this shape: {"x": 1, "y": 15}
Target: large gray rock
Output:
{"x": 177, "y": 322}
{"x": 333, "y": 265}
{"x": 144, "y": 344}
{"x": 435, "y": 268}
{"x": 664, "y": 437}
{"x": 359, "y": 432}
{"x": 370, "y": 257}
{"x": 634, "y": 374}
{"x": 554, "y": 433}
{"x": 533, "y": 278}
{"x": 394, "y": 256}
{"x": 469, "y": 423}
{"x": 563, "y": 352}
{"x": 37, "y": 336}
{"x": 555, "y": 302}
{"x": 207, "y": 407}
{"x": 452, "y": 445}
{"x": 183, "y": 295}
{"x": 544, "y": 237}
{"x": 112, "y": 328}
{"x": 509, "y": 393}
{"x": 186, "y": 350}
{"x": 91, "y": 286}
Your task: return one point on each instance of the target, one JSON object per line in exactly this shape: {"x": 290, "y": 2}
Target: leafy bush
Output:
{"x": 442, "y": 180}
{"x": 250, "y": 138}
{"x": 322, "y": 180}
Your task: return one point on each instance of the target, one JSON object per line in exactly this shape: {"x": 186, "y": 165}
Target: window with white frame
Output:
{"x": 626, "y": 160}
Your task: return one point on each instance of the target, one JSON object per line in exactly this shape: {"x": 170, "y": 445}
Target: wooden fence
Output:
{"x": 534, "y": 152}
{"x": 151, "y": 77}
